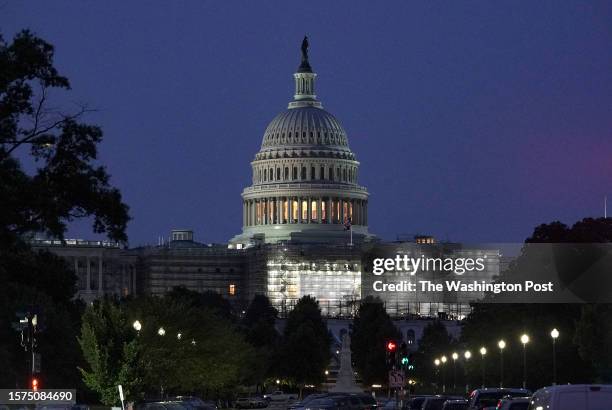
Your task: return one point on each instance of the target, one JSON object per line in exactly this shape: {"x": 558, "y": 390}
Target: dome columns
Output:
{"x": 304, "y": 210}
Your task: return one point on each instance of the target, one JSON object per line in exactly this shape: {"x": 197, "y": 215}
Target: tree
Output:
{"x": 372, "y": 328}
{"x": 210, "y": 300}
{"x": 67, "y": 184}
{"x": 434, "y": 342}
{"x": 304, "y": 352}
{"x": 111, "y": 351}
{"x": 259, "y": 327}
{"x": 593, "y": 338}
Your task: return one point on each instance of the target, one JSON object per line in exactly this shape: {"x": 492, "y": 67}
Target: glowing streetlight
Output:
{"x": 455, "y": 356}
{"x": 443, "y": 360}
{"x": 502, "y": 345}
{"x": 161, "y": 331}
{"x": 437, "y": 362}
{"x": 137, "y": 325}
{"x": 483, "y": 352}
{"x": 524, "y": 341}
{"x": 467, "y": 355}
{"x": 179, "y": 335}
{"x": 554, "y": 334}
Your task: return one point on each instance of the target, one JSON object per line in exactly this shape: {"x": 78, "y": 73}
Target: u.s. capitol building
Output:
{"x": 304, "y": 232}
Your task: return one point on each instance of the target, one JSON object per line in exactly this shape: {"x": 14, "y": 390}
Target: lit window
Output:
{"x": 232, "y": 289}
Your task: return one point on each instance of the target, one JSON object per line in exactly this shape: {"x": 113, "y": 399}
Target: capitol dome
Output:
{"x": 304, "y": 177}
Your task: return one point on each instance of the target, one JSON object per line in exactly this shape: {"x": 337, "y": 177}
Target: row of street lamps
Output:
{"x": 441, "y": 361}
{"x": 161, "y": 331}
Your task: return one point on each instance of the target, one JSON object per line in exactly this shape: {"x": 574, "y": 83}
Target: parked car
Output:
{"x": 573, "y": 397}
{"x": 362, "y": 402}
{"x": 489, "y": 396}
{"x": 299, "y": 405}
{"x": 513, "y": 403}
{"x": 436, "y": 402}
{"x": 280, "y": 396}
{"x": 195, "y": 403}
{"x": 415, "y": 403}
{"x": 458, "y": 404}
{"x": 243, "y": 403}
{"x": 258, "y": 402}
{"x": 330, "y": 403}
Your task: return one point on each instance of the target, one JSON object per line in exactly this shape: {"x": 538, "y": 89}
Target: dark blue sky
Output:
{"x": 473, "y": 121}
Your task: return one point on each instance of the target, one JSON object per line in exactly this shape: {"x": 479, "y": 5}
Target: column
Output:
{"x": 308, "y": 210}
{"x": 100, "y": 276}
{"x": 88, "y": 274}
{"x": 320, "y": 210}
{"x": 300, "y": 210}
{"x": 365, "y": 212}
{"x": 290, "y": 209}
{"x": 341, "y": 209}
{"x": 266, "y": 216}
{"x": 76, "y": 269}
{"x": 253, "y": 221}
{"x": 329, "y": 210}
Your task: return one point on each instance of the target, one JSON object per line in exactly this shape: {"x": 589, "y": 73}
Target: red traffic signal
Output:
{"x": 391, "y": 346}
{"x": 34, "y": 384}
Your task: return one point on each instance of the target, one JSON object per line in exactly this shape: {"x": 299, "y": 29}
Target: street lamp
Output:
{"x": 161, "y": 331}
{"x": 443, "y": 360}
{"x": 467, "y": 356}
{"x": 179, "y": 335}
{"x": 483, "y": 352}
{"x": 502, "y": 345}
{"x": 554, "y": 334}
{"x": 524, "y": 341}
{"x": 437, "y": 363}
{"x": 455, "y": 356}
{"x": 137, "y": 325}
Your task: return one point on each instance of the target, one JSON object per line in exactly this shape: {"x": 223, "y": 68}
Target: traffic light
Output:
{"x": 391, "y": 347}
{"x": 404, "y": 359}
{"x": 34, "y": 384}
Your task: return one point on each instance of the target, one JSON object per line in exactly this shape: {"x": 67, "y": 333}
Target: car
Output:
{"x": 280, "y": 396}
{"x": 299, "y": 405}
{"x": 489, "y": 396}
{"x": 195, "y": 403}
{"x": 455, "y": 404}
{"x": 573, "y": 397}
{"x": 259, "y": 402}
{"x": 330, "y": 403}
{"x": 415, "y": 402}
{"x": 243, "y": 403}
{"x": 436, "y": 402}
{"x": 513, "y": 403}
{"x": 163, "y": 405}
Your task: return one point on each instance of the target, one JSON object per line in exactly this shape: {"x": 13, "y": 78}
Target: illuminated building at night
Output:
{"x": 304, "y": 232}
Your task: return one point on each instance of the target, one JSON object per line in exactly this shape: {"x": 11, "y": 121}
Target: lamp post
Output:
{"x": 443, "y": 360}
{"x": 467, "y": 356}
{"x": 524, "y": 341}
{"x": 483, "y": 352}
{"x": 161, "y": 331}
{"x": 502, "y": 345}
{"x": 437, "y": 363}
{"x": 455, "y": 356}
{"x": 137, "y": 325}
{"x": 554, "y": 334}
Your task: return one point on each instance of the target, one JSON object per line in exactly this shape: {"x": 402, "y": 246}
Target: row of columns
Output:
{"x": 128, "y": 274}
{"x": 304, "y": 210}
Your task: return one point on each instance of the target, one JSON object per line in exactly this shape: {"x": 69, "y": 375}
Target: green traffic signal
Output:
{"x": 404, "y": 360}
